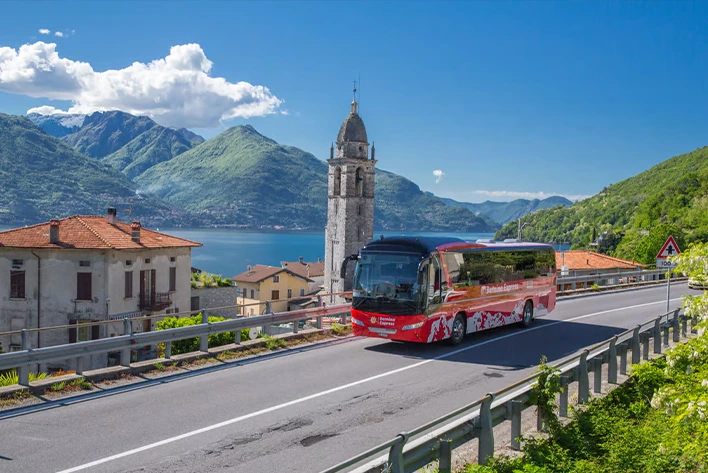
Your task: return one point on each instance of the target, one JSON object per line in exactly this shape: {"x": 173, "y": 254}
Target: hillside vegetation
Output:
{"x": 44, "y": 178}
{"x": 674, "y": 192}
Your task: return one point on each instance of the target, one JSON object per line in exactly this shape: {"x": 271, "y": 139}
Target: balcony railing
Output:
{"x": 155, "y": 301}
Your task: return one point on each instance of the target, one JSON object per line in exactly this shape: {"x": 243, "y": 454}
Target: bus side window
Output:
{"x": 434, "y": 278}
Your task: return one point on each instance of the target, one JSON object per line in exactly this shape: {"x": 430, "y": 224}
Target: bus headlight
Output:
{"x": 413, "y": 326}
{"x": 358, "y": 322}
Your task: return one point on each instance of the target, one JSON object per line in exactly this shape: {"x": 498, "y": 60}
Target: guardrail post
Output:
{"x": 237, "y": 337}
{"x": 204, "y": 339}
{"x": 125, "y": 353}
{"x": 486, "y": 434}
{"x": 267, "y": 328}
{"x": 168, "y": 351}
{"x": 395, "y": 455}
{"x": 612, "y": 362}
{"x": 675, "y": 324}
{"x": 645, "y": 346}
{"x": 80, "y": 365}
{"x": 319, "y": 318}
{"x": 684, "y": 327}
{"x": 694, "y": 322}
{"x": 296, "y": 327}
{"x": 445, "y": 464}
{"x": 563, "y": 404}
{"x": 583, "y": 381}
{"x": 344, "y": 318}
{"x": 516, "y": 425}
{"x": 665, "y": 329}
{"x": 636, "y": 355}
{"x": 657, "y": 335}
{"x": 597, "y": 375}
{"x": 23, "y": 371}
{"x": 623, "y": 359}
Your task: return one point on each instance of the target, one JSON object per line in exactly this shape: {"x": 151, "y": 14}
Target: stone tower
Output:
{"x": 350, "y": 202}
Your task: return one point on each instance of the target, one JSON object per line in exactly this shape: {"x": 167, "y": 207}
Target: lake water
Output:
{"x": 228, "y": 252}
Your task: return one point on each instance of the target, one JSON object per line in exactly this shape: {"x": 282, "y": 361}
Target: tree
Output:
{"x": 651, "y": 244}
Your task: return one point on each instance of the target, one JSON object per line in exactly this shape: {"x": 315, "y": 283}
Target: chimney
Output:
{"x": 301, "y": 259}
{"x": 112, "y": 216}
{"x": 135, "y": 231}
{"x": 54, "y": 231}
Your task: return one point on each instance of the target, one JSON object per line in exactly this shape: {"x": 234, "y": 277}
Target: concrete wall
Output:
{"x": 216, "y": 297}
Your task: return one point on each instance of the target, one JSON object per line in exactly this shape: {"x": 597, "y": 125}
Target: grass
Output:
{"x": 11, "y": 378}
{"x": 273, "y": 343}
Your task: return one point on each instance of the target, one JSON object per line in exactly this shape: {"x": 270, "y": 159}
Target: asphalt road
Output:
{"x": 306, "y": 411}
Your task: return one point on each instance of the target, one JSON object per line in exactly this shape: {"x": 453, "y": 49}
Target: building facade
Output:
{"x": 260, "y": 283}
{"x": 313, "y": 270}
{"x": 85, "y": 269}
{"x": 350, "y": 196}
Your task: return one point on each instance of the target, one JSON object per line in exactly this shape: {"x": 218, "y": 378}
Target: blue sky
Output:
{"x": 505, "y": 98}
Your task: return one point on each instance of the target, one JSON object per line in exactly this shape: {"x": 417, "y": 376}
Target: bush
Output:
{"x": 192, "y": 344}
{"x": 210, "y": 280}
{"x": 11, "y": 378}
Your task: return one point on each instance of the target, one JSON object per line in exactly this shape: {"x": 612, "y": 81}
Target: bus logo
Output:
{"x": 373, "y": 320}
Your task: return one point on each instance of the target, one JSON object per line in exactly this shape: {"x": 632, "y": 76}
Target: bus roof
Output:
{"x": 431, "y": 244}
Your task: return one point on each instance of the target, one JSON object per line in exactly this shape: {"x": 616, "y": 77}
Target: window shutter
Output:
{"x": 152, "y": 284}
{"x": 95, "y": 331}
{"x": 72, "y": 332}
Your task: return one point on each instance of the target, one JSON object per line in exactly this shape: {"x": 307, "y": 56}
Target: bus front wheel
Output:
{"x": 458, "y": 330}
{"x": 528, "y": 314}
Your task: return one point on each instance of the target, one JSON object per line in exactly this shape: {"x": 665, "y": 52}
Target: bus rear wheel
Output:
{"x": 528, "y": 314}
{"x": 458, "y": 330}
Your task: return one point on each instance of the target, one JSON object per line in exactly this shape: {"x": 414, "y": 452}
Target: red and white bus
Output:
{"x": 420, "y": 289}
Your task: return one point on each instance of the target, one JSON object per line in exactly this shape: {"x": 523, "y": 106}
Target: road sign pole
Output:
{"x": 668, "y": 290}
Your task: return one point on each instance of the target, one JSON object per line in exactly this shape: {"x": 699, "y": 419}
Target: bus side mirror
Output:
{"x": 343, "y": 270}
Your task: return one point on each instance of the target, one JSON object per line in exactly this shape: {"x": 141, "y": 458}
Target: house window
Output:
{"x": 290, "y": 293}
{"x": 128, "y": 262}
{"x": 172, "y": 259}
{"x": 16, "y": 263}
{"x": 17, "y": 284}
{"x": 252, "y": 294}
{"x": 83, "y": 332}
{"x": 173, "y": 279}
{"x": 128, "y": 284}
{"x": 275, "y": 295}
{"x": 302, "y": 292}
{"x": 276, "y": 278}
{"x": 83, "y": 287}
{"x": 85, "y": 264}
{"x": 147, "y": 260}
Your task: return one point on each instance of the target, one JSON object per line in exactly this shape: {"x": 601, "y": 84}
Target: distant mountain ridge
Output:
{"x": 504, "y": 212}
{"x": 57, "y": 125}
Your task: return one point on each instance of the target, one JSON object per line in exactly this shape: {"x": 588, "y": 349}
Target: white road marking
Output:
{"x": 339, "y": 388}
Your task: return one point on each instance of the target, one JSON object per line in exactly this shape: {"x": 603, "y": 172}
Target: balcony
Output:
{"x": 155, "y": 301}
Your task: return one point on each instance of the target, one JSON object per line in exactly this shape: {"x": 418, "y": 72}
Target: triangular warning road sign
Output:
{"x": 670, "y": 248}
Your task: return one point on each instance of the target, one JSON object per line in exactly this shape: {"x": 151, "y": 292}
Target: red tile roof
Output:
{"x": 261, "y": 272}
{"x": 89, "y": 232}
{"x": 305, "y": 269}
{"x": 584, "y": 260}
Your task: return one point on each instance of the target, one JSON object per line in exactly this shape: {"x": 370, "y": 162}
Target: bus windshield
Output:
{"x": 385, "y": 280}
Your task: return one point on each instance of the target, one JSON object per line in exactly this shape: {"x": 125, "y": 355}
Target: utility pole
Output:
{"x": 521, "y": 227}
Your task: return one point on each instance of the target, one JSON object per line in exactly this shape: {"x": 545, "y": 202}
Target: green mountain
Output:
{"x": 190, "y": 136}
{"x": 103, "y": 133}
{"x": 44, "y": 178}
{"x": 151, "y": 147}
{"x": 244, "y": 178}
{"x": 504, "y": 212}
{"x": 670, "y": 197}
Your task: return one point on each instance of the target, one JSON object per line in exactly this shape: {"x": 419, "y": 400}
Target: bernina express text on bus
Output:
{"x": 419, "y": 289}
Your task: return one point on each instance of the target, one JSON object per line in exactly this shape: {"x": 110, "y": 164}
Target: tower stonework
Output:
{"x": 350, "y": 200}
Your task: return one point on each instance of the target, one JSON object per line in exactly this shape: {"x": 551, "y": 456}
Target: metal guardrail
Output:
{"x": 600, "y": 277}
{"x": 410, "y": 451}
{"x": 125, "y": 343}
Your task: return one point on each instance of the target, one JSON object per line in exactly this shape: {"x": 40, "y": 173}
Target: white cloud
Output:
{"x": 59, "y": 34}
{"x": 511, "y": 195}
{"x": 44, "y": 31}
{"x": 176, "y": 90}
{"x": 438, "y": 175}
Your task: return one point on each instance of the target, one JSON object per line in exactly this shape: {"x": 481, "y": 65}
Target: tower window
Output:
{"x": 337, "y": 181}
{"x": 360, "y": 182}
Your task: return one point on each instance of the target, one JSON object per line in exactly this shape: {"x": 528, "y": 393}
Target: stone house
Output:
{"x": 84, "y": 269}
{"x": 261, "y": 283}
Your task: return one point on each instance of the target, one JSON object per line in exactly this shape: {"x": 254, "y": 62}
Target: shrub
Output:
{"x": 595, "y": 287}
{"x": 338, "y": 329}
{"x": 273, "y": 343}
{"x": 11, "y": 378}
{"x": 192, "y": 344}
